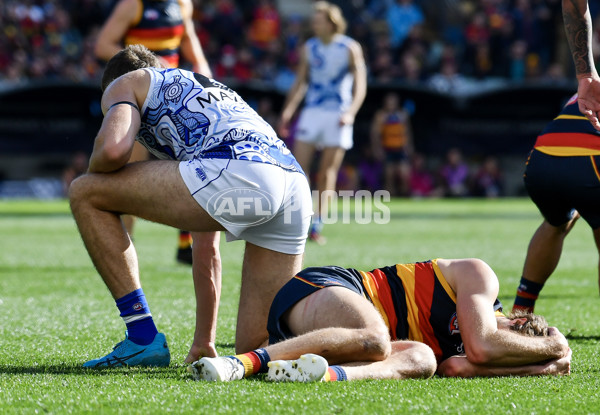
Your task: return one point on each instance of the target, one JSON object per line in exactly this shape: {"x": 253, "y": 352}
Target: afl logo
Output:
{"x": 453, "y": 326}
{"x": 137, "y": 306}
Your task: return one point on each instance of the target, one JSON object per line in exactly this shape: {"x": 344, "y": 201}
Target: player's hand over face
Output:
{"x": 201, "y": 350}
{"x": 589, "y": 99}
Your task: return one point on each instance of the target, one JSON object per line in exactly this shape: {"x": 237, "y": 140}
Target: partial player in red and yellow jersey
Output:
{"x": 562, "y": 178}
{"x": 402, "y": 321}
{"x": 163, "y": 26}
{"x": 166, "y": 28}
{"x": 391, "y": 140}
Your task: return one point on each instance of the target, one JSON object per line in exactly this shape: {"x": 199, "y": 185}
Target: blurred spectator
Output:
{"x": 401, "y": 17}
{"x": 454, "y": 174}
{"x": 422, "y": 180}
{"x": 370, "y": 169}
{"x": 391, "y": 138}
{"x": 77, "y": 167}
{"x": 265, "y": 110}
{"x": 348, "y": 177}
{"x": 448, "y": 80}
{"x": 488, "y": 182}
{"x": 265, "y": 26}
{"x": 234, "y": 65}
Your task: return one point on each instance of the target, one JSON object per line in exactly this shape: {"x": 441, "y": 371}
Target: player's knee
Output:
{"x": 376, "y": 344}
{"x": 78, "y": 192}
{"x": 424, "y": 363}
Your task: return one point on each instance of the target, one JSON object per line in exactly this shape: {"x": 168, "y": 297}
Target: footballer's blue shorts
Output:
{"x": 558, "y": 184}
{"x": 305, "y": 283}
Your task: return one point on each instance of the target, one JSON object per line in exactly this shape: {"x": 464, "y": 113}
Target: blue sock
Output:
{"x": 137, "y": 317}
{"x": 317, "y": 225}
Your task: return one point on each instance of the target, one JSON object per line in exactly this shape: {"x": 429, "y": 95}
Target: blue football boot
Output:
{"x": 127, "y": 353}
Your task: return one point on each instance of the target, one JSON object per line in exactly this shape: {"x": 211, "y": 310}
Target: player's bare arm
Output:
{"x": 206, "y": 270}
{"x": 460, "y": 366}
{"x": 358, "y": 69}
{"x": 110, "y": 38}
{"x": 121, "y": 103}
{"x": 476, "y": 288}
{"x": 191, "y": 49}
{"x": 296, "y": 93}
{"x": 578, "y": 28}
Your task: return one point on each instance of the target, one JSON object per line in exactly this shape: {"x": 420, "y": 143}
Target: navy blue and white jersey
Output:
{"x": 330, "y": 80}
{"x": 187, "y": 115}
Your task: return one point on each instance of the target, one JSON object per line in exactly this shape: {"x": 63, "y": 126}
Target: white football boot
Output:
{"x": 308, "y": 368}
{"x": 220, "y": 369}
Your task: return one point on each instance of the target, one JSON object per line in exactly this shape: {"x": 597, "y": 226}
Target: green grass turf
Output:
{"x": 55, "y": 313}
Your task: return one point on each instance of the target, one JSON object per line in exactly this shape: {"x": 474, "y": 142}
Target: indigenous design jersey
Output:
{"x": 393, "y": 131}
{"x": 569, "y": 134}
{"x": 416, "y": 304}
{"x": 330, "y": 81}
{"x": 159, "y": 27}
{"x": 187, "y": 116}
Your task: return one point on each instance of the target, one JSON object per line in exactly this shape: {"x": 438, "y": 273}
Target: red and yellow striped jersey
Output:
{"x": 394, "y": 134}
{"x": 569, "y": 134}
{"x": 159, "y": 27}
{"x": 417, "y": 304}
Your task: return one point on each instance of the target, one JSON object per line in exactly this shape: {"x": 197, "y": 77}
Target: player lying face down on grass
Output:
{"x": 404, "y": 321}
{"x": 214, "y": 152}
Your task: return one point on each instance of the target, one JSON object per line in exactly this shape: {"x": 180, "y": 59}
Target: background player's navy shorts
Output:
{"x": 557, "y": 185}
{"x": 302, "y": 285}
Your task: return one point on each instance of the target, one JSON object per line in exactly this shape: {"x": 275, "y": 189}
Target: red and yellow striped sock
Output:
{"x": 255, "y": 361}
{"x": 185, "y": 239}
{"x": 335, "y": 373}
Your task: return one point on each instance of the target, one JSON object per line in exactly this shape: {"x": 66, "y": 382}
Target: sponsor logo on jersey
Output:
{"x": 453, "y": 325}
{"x": 151, "y": 14}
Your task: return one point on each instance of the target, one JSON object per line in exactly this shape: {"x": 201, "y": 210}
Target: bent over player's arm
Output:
{"x": 206, "y": 270}
{"x": 110, "y": 38}
{"x": 578, "y": 28}
{"x": 114, "y": 142}
{"x": 358, "y": 69}
{"x": 191, "y": 49}
{"x": 460, "y": 366}
{"x": 485, "y": 344}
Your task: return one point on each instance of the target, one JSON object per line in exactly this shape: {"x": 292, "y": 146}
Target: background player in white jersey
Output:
{"x": 332, "y": 78}
{"x": 221, "y": 167}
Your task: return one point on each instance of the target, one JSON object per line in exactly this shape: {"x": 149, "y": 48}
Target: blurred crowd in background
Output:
{"x": 442, "y": 42}
{"x": 449, "y": 45}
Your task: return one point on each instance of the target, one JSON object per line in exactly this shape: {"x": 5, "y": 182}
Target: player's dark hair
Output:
{"x": 131, "y": 58}
{"x": 534, "y": 326}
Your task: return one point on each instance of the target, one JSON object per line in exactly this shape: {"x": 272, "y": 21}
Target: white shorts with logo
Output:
{"x": 260, "y": 203}
{"x": 321, "y": 127}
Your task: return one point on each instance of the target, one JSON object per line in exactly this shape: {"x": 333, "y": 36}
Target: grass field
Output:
{"x": 55, "y": 313}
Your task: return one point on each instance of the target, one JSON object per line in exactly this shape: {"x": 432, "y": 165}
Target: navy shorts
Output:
{"x": 396, "y": 156}
{"x": 302, "y": 285}
{"x": 557, "y": 185}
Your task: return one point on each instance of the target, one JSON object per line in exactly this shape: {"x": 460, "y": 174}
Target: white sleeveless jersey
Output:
{"x": 330, "y": 79}
{"x": 187, "y": 116}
